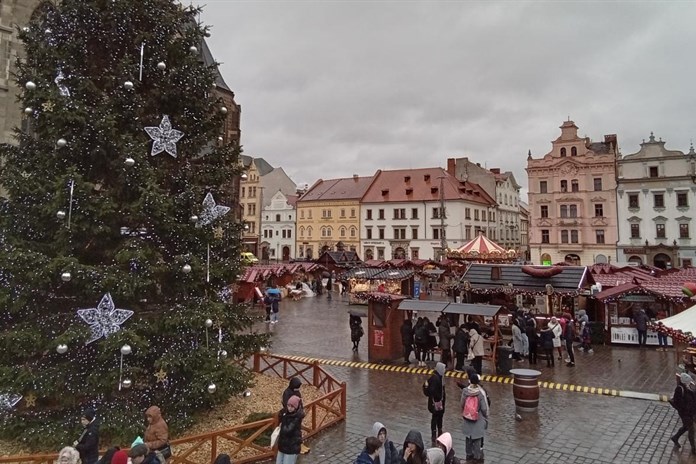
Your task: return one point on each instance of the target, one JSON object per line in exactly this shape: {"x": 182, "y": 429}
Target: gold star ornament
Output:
{"x": 48, "y": 106}
{"x": 30, "y": 400}
{"x": 217, "y": 233}
{"x": 161, "y": 376}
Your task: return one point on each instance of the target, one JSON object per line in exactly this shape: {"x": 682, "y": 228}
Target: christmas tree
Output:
{"x": 116, "y": 247}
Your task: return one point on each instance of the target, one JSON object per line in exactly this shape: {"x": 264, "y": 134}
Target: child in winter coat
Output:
{"x": 387, "y": 453}
{"x": 370, "y": 452}
{"x": 290, "y": 437}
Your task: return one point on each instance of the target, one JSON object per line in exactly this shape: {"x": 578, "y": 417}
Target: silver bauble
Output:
{"x": 161, "y": 66}
{"x": 223, "y": 110}
{"x": 193, "y": 218}
{"x": 209, "y": 323}
{"x": 28, "y": 110}
{"x": 30, "y": 85}
{"x": 223, "y": 354}
{"x": 220, "y": 139}
{"x": 193, "y": 49}
{"x": 126, "y": 350}
{"x": 65, "y": 277}
{"x": 61, "y": 143}
{"x": 62, "y": 348}
{"x": 186, "y": 268}
{"x": 48, "y": 31}
{"x": 128, "y": 85}
{"x": 25, "y": 29}
{"x": 126, "y": 383}
{"x": 129, "y": 162}
{"x": 212, "y": 388}
{"x": 60, "y": 214}
{"x": 244, "y": 176}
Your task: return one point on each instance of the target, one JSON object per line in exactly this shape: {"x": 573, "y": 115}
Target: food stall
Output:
{"x": 366, "y": 280}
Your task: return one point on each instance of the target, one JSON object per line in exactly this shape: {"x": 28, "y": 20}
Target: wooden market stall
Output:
{"x": 266, "y": 275}
{"x": 338, "y": 261}
{"x": 383, "y": 327}
{"x": 367, "y": 279}
{"x": 680, "y": 329}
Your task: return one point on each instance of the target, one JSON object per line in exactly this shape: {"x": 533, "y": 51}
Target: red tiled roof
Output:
{"x": 615, "y": 291}
{"x": 407, "y": 185}
{"x": 259, "y": 272}
{"x": 292, "y": 199}
{"x": 346, "y": 188}
{"x": 375, "y": 263}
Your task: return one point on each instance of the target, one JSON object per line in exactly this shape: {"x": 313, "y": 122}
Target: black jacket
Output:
{"x": 416, "y": 438}
{"x": 290, "y": 437}
{"x": 88, "y": 443}
{"x": 461, "y": 341}
{"x": 435, "y": 392}
{"x": 291, "y": 391}
{"x": 406, "y": 334}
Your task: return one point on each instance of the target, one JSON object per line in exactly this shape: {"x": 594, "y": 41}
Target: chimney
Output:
{"x": 356, "y": 177}
{"x": 495, "y": 170}
{"x": 452, "y": 166}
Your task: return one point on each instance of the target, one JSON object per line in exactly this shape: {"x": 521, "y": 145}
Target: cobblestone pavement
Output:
{"x": 569, "y": 427}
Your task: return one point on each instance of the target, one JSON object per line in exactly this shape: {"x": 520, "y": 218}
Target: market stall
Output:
{"x": 681, "y": 328}
{"x": 267, "y": 275}
{"x": 481, "y": 250}
{"x": 366, "y": 279}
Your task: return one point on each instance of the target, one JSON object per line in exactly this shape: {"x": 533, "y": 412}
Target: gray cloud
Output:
{"x": 329, "y": 89}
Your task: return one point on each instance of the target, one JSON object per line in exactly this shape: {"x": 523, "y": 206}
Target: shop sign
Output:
{"x": 379, "y": 337}
{"x": 639, "y": 298}
{"x": 634, "y": 251}
{"x": 416, "y": 289}
{"x": 369, "y": 242}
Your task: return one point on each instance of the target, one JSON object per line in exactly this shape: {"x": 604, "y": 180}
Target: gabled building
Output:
{"x": 328, "y": 217}
{"x": 250, "y": 201}
{"x": 278, "y": 227}
{"x": 419, "y": 213}
{"x": 572, "y": 200}
{"x": 656, "y": 196}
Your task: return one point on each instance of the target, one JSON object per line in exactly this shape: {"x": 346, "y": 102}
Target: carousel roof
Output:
{"x": 481, "y": 245}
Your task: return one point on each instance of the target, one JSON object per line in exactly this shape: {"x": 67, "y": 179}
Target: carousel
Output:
{"x": 483, "y": 250}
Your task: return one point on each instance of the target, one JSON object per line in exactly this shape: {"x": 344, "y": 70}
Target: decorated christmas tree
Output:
{"x": 116, "y": 249}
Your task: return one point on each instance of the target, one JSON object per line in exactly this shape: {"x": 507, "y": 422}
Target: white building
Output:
{"x": 655, "y": 193}
{"x": 278, "y": 226}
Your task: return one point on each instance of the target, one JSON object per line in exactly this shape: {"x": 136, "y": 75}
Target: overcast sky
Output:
{"x": 333, "y": 88}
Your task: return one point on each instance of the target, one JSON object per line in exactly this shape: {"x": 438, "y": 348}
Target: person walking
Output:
{"x": 329, "y": 286}
{"x": 356, "y": 331}
{"x": 684, "y": 401}
{"x": 445, "y": 340}
{"x": 275, "y": 305}
{"x": 533, "y": 340}
{"x": 387, "y": 453}
{"x": 547, "y": 339}
{"x": 413, "y": 451}
{"x": 290, "y": 436}
{"x": 420, "y": 337}
{"x": 461, "y": 347}
{"x": 434, "y": 388}
{"x": 268, "y": 306}
{"x": 557, "y": 330}
{"x": 641, "y": 319}
{"x": 475, "y": 419}
{"x": 476, "y": 350}
{"x": 569, "y": 336}
{"x": 661, "y": 336}
{"x": 407, "y": 339}
{"x": 370, "y": 452}
{"x": 88, "y": 443}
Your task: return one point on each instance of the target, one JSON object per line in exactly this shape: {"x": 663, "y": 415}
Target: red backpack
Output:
{"x": 471, "y": 407}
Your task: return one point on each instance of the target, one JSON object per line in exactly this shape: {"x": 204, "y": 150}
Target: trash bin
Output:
{"x": 503, "y": 360}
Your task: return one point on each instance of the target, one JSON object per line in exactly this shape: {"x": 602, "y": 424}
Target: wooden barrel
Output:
{"x": 525, "y": 390}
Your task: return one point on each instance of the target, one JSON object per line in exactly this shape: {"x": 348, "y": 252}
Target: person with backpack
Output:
{"x": 475, "y": 419}
{"x": 461, "y": 347}
{"x": 387, "y": 453}
{"x": 444, "y": 442}
{"x": 356, "y": 331}
{"x": 684, "y": 401}
{"x": 434, "y": 389}
{"x": 420, "y": 338}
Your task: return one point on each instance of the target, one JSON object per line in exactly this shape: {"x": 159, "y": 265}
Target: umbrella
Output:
{"x": 326, "y": 274}
{"x": 273, "y": 291}
{"x": 358, "y": 312}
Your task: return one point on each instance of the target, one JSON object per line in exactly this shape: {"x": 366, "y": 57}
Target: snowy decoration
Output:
{"x": 62, "y": 89}
{"x": 105, "y": 319}
{"x": 9, "y": 400}
{"x": 164, "y": 137}
{"x": 211, "y": 211}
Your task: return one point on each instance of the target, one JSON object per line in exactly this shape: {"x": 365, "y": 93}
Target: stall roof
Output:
{"x": 434, "y": 271}
{"x": 451, "y": 308}
{"x": 570, "y": 279}
{"x": 362, "y": 273}
{"x": 684, "y": 321}
{"x": 394, "y": 274}
{"x": 372, "y": 273}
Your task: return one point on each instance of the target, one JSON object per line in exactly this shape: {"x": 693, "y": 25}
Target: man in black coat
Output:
{"x": 407, "y": 339}
{"x": 88, "y": 443}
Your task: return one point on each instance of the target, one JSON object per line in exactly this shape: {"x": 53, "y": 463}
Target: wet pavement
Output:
{"x": 569, "y": 427}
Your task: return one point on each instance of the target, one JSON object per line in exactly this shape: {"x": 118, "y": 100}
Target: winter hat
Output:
{"x": 445, "y": 440}
{"x": 474, "y": 378}
{"x": 685, "y": 378}
{"x": 88, "y": 414}
{"x": 440, "y": 368}
{"x": 120, "y": 457}
{"x": 294, "y": 401}
{"x": 435, "y": 456}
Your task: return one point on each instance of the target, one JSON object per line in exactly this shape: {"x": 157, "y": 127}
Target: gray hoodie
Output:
{"x": 387, "y": 452}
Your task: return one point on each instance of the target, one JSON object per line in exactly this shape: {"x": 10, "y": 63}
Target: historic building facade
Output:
{"x": 251, "y": 201}
{"x": 572, "y": 200}
{"x": 328, "y": 217}
{"x": 419, "y": 213}
{"x": 656, "y": 191}
{"x": 278, "y": 227}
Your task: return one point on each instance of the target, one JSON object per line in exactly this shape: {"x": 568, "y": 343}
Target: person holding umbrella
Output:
{"x": 274, "y": 295}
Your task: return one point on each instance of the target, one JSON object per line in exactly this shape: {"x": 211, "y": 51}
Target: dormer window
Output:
{"x": 385, "y": 192}
{"x": 563, "y": 152}
{"x": 433, "y": 190}
{"x": 426, "y": 177}
{"x": 409, "y": 191}
{"x": 407, "y": 179}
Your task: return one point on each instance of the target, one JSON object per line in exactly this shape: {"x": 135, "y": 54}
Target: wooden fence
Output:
{"x": 325, "y": 411}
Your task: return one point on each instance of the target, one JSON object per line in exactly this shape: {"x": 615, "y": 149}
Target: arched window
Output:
{"x": 309, "y": 232}
{"x": 342, "y": 232}
{"x": 353, "y": 231}
{"x": 574, "y": 185}
{"x": 573, "y": 151}
{"x": 301, "y": 231}
{"x": 563, "y": 152}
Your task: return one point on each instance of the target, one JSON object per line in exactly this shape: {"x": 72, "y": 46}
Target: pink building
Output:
{"x": 572, "y": 200}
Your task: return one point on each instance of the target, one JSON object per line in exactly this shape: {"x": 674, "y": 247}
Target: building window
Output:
{"x": 544, "y": 211}
{"x": 574, "y": 236}
{"x": 573, "y": 151}
{"x": 368, "y": 233}
{"x": 682, "y": 199}
{"x": 343, "y": 213}
{"x": 564, "y": 211}
{"x": 467, "y": 233}
{"x": 599, "y": 235}
{"x": 633, "y": 200}
{"x": 599, "y": 210}
{"x": 437, "y": 234}
{"x": 301, "y": 231}
{"x": 309, "y": 214}
{"x": 381, "y": 214}
{"x": 659, "y": 200}
{"x": 399, "y": 233}
{"x": 597, "y": 184}
{"x": 660, "y": 230}
{"x": 683, "y": 230}
{"x": 653, "y": 171}
{"x": 277, "y": 217}
{"x": 381, "y": 233}
{"x": 353, "y": 232}
{"x": 564, "y": 236}
{"x": 414, "y": 233}
{"x": 399, "y": 213}
{"x": 635, "y": 230}
{"x": 368, "y": 214}
{"x": 414, "y": 213}
{"x": 467, "y": 213}
{"x": 574, "y": 186}
{"x": 544, "y": 236}
{"x": 414, "y": 253}
{"x": 342, "y": 232}
{"x": 563, "y": 152}
{"x": 564, "y": 186}
{"x": 302, "y": 214}
{"x": 439, "y": 213}
{"x": 243, "y": 192}
{"x": 543, "y": 187}
{"x": 476, "y": 215}
{"x": 352, "y": 212}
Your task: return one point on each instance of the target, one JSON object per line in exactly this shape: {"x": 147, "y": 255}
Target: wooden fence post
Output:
{"x": 343, "y": 399}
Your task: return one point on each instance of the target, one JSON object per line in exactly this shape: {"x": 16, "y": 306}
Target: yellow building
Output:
{"x": 328, "y": 216}
{"x": 250, "y": 201}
